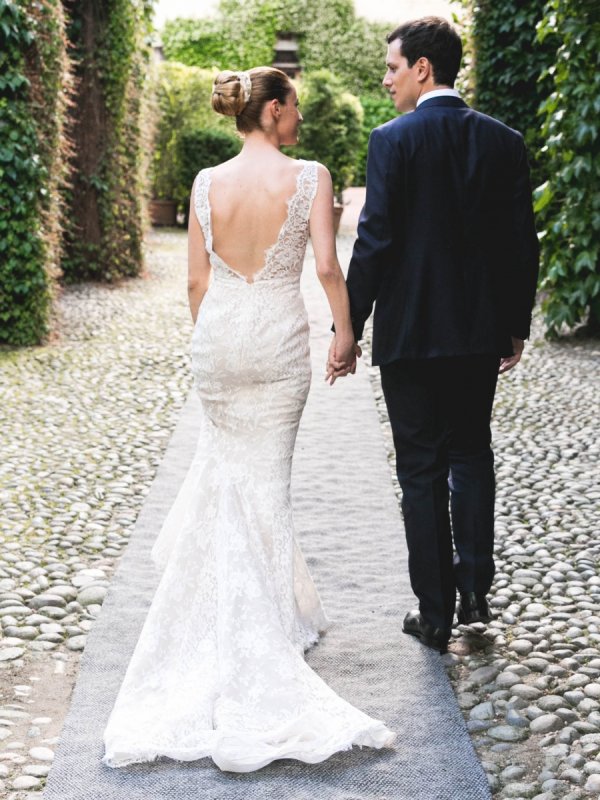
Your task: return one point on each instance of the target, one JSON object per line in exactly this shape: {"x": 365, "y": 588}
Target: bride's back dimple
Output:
{"x": 248, "y": 208}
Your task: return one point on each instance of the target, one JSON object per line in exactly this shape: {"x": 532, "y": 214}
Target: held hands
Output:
{"x": 512, "y": 361}
{"x": 341, "y": 359}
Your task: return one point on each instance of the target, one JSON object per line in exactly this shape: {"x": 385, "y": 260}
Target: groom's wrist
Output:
{"x": 358, "y": 328}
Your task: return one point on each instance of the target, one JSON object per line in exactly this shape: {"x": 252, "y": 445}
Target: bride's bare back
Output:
{"x": 249, "y": 205}
{"x": 246, "y": 200}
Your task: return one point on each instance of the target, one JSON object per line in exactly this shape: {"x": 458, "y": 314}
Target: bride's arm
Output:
{"x": 198, "y": 261}
{"x": 328, "y": 267}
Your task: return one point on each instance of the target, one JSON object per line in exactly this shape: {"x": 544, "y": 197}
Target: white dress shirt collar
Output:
{"x": 437, "y": 93}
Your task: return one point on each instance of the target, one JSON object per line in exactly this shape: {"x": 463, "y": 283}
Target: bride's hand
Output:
{"x": 341, "y": 359}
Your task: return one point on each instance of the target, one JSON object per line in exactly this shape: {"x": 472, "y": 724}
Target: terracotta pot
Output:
{"x": 338, "y": 209}
{"x": 163, "y": 212}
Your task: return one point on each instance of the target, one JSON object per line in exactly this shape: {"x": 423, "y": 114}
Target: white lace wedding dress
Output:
{"x": 219, "y": 669}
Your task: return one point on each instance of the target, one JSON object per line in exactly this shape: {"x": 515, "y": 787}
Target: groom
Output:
{"x": 447, "y": 251}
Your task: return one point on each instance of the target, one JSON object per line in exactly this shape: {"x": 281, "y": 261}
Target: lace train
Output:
{"x": 219, "y": 670}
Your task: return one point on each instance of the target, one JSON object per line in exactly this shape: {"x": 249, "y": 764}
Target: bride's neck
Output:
{"x": 260, "y": 142}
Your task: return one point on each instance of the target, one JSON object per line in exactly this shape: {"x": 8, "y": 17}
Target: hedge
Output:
{"x": 33, "y": 72}
{"x": 568, "y": 203}
{"x": 103, "y": 240}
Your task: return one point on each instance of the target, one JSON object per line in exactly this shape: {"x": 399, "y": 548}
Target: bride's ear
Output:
{"x": 270, "y": 114}
{"x": 275, "y": 108}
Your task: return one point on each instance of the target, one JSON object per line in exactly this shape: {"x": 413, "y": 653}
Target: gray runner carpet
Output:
{"x": 350, "y": 528}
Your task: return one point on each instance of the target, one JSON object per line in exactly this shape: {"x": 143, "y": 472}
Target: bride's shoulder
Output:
{"x": 315, "y": 168}
{"x": 313, "y": 164}
{"x": 323, "y": 175}
{"x": 223, "y": 168}
{"x": 202, "y": 176}
{"x": 321, "y": 169}
{"x": 317, "y": 181}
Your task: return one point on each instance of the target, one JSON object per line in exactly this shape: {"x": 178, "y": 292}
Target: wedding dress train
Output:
{"x": 218, "y": 669}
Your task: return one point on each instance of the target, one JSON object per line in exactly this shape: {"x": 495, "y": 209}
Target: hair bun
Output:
{"x": 231, "y": 93}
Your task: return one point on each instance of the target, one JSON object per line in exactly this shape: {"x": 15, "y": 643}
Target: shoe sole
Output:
{"x": 430, "y": 644}
{"x": 478, "y": 618}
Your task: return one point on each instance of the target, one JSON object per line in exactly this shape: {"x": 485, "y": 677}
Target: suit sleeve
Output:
{"x": 524, "y": 273}
{"x": 373, "y": 246}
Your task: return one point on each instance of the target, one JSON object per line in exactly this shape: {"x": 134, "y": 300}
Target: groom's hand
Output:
{"x": 512, "y": 361}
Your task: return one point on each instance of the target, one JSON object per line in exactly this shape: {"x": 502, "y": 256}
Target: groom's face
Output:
{"x": 401, "y": 80}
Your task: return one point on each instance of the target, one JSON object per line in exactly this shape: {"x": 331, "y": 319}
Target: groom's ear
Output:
{"x": 424, "y": 69}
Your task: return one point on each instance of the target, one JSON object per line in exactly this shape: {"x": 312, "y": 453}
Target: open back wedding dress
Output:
{"x": 219, "y": 669}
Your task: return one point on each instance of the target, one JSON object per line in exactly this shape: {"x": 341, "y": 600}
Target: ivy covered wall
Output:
{"x": 104, "y": 237}
{"x": 510, "y": 68}
{"x": 568, "y": 202}
{"x": 34, "y": 80}
{"x": 71, "y": 81}
{"x": 537, "y": 68}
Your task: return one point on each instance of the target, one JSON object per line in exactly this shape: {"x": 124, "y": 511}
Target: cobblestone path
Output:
{"x": 84, "y": 422}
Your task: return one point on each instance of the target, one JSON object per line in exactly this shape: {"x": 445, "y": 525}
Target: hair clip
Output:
{"x": 246, "y": 84}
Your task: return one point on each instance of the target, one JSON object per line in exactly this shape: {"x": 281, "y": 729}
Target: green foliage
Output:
{"x": 568, "y": 203}
{"x": 183, "y": 104}
{"x": 510, "y": 64}
{"x": 352, "y": 48}
{"x": 332, "y": 128}
{"x": 195, "y": 42}
{"x": 377, "y": 109}
{"x": 197, "y": 149}
{"x": 243, "y": 34}
{"x": 103, "y": 240}
{"x": 48, "y": 70}
{"x": 535, "y": 57}
{"x": 25, "y": 173}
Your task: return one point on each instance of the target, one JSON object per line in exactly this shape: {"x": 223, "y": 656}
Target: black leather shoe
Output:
{"x": 472, "y": 608}
{"x": 416, "y": 626}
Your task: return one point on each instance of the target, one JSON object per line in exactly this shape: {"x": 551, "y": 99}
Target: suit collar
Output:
{"x": 450, "y": 102}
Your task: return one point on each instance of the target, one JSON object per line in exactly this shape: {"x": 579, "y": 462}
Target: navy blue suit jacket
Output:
{"x": 446, "y": 247}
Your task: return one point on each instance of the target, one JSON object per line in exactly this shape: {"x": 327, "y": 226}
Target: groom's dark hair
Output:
{"x": 435, "y": 39}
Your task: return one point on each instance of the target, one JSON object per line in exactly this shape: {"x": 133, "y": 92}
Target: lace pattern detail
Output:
{"x": 201, "y": 206}
{"x": 285, "y": 257}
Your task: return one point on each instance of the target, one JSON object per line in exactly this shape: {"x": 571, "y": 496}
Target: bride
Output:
{"x": 219, "y": 670}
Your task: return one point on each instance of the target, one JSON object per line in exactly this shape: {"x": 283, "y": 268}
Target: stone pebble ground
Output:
{"x": 84, "y": 422}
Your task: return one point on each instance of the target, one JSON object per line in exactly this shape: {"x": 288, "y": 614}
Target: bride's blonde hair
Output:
{"x": 243, "y": 94}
